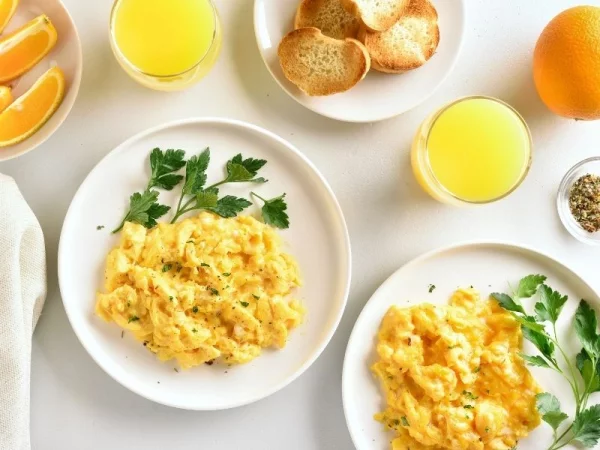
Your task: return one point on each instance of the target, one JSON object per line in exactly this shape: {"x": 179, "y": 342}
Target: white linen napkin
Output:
{"x": 22, "y": 295}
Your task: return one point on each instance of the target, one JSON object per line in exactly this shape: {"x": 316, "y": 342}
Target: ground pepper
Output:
{"x": 584, "y": 202}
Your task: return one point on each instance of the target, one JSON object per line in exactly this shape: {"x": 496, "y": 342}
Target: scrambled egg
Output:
{"x": 202, "y": 289}
{"x": 453, "y": 378}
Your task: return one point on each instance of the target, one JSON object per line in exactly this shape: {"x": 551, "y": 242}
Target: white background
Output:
{"x": 75, "y": 405}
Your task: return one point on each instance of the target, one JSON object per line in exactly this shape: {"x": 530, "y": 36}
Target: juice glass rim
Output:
{"x": 133, "y": 67}
{"x": 525, "y": 170}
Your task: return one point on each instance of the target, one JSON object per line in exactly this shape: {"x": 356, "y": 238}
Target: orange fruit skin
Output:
{"x": 28, "y": 113}
{"x": 566, "y": 63}
{"x": 6, "y": 97}
{"x": 7, "y": 10}
{"x": 25, "y": 47}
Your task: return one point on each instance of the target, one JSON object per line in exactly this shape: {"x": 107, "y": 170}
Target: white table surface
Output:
{"x": 75, "y": 405}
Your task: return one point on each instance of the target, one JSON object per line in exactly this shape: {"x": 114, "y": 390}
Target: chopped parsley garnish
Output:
{"x": 431, "y": 288}
{"x": 133, "y": 319}
{"x": 256, "y": 296}
{"x": 395, "y": 422}
{"x": 175, "y": 369}
{"x": 450, "y": 347}
{"x": 190, "y": 242}
{"x": 213, "y": 290}
{"x": 204, "y": 265}
{"x": 405, "y": 421}
{"x": 194, "y": 330}
{"x": 468, "y": 406}
{"x": 170, "y": 297}
{"x": 487, "y": 429}
{"x": 195, "y": 309}
{"x": 469, "y": 395}
{"x": 245, "y": 304}
{"x": 477, "y": 369}
{"x": 99, "y": 227}
{"x": 226, "y": 274}
{"x": 167, "y": 267}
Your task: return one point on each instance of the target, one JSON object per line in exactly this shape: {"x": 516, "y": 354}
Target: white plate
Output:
{"x": 379, "y": 96}
{"x": 486, "y": 266}
{"x": 317, "y": 237}
{"x": 66, "y": 54}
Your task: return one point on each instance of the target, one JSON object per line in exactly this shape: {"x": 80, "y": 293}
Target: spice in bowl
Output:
{"x": 584, "y": 202}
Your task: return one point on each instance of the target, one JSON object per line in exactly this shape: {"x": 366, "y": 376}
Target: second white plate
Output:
{"x": 489, "y": 267}
{"x": 379, "y": 96}
{"x": 317, "y": 237}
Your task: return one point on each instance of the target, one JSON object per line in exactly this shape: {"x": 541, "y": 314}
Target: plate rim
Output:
{"x": 507, "y": 244}
{"x": 340, "y": 117}
{"x": 345, "y": 239}
{"x": 67, "y": 106}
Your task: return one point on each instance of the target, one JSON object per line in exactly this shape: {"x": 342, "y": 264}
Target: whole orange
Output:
{"x": 566, "y": 63}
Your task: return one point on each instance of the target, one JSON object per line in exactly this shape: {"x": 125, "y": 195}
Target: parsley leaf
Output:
{"x": 585, "y": 328}
{"x": 244, "y": 170}
{"x": 404, "y": 421}
{"x": 529, "y": 285}
{"x": 274, "y": 211}
{"x": 207, "y": 199}
{"x": 550, "y": 304}
{"x": 506, "y": 302}
{"x": 229, "y": 206}
{"x": 543, "y": 344}
{"x": 133, "y": 319}
{"x": 144, "y": 210}
{"x": 529, "y": 322}
{"x": 245, "y": 304}
{"x": 163, "y": 166}
{"x": 586, "y": 426}
{"x": 589, "y": 373}
{"x": 549, "y": 407}
{"x": 537, "y": 361}
{"x": 195, "y": 173}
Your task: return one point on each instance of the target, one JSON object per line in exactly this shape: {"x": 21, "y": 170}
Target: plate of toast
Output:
{"x": 359, "y": 60}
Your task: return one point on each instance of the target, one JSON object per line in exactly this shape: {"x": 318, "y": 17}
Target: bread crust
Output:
{"x": 354, "y": 62}
{"x": 375, "y": 22}
{"x": 388, "y": 59}
{"x": 323, "y": 14}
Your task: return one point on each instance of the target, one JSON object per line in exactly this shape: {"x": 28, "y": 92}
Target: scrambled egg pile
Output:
{"x": 202, "y": 289}
{"x": 453, "y": 378}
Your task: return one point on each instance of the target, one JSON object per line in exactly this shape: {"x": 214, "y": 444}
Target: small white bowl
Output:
{"x": 591, "y": 166}
{"x": 66, "y": 54}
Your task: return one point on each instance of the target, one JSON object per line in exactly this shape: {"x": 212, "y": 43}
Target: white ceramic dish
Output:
{"x": 379, "y": 96}
{"x": 486, "y": 266}
{"x": 317, "y": 237}
{"x": 66, "y": 54}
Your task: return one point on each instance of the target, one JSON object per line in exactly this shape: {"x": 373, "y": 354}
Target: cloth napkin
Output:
{"x": 22, "y": 295}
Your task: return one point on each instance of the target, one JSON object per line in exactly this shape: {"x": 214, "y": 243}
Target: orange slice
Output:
{"x": 7, "y": 9}
{"x": 29, "y": 112}
{"x": 6, "y": 97}
{"x": 25, "y": 47}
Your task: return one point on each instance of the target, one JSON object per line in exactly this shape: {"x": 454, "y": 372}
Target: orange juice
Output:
{"x": 165, "y": 44}
{"x": 476, "y": 150}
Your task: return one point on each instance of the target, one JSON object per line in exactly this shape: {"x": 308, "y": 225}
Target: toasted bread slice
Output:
{"x": 409, "y": 43}
{"x": 377, "y": 15}
{"x": 329, "y": 16}
{"x": 320, "y": 65}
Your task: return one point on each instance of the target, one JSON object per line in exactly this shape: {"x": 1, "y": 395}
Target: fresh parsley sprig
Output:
{"x": 144, "y": 207}
{"x": 239, "y": 170}
{"x": 585, "y": 428}
{"x": 273, "y": 211}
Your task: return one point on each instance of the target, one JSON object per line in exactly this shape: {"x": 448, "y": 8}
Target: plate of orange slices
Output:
{"x": 40, "y": 72}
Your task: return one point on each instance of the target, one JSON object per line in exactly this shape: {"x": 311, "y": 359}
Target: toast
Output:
{"x": 408, "y": 44}
{"x": 377, "y": 15}
{"x": 321, "y": 65}
{"x": 329, "y": 16}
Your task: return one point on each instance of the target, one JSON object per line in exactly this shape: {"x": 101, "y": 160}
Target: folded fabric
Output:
{"x": 22, "y": 295}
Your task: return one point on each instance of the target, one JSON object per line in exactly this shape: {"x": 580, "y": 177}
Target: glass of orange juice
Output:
{"x": 474, "y": 150}
{"x": 166, "y": 45}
